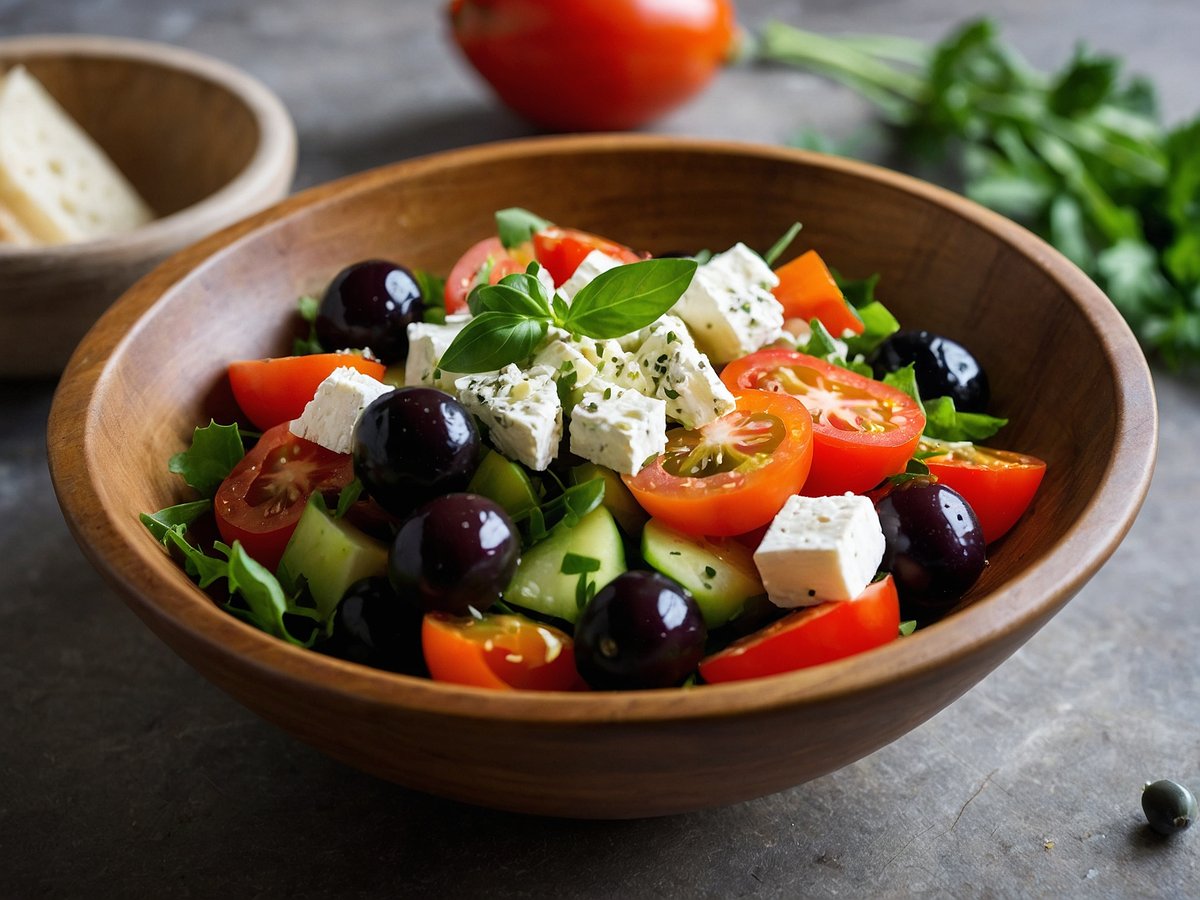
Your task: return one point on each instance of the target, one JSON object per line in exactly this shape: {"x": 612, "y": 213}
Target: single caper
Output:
{"x": 1169, "y": 807}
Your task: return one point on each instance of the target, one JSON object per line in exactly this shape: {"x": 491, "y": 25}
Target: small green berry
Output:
{"x": 1169, "y": 807}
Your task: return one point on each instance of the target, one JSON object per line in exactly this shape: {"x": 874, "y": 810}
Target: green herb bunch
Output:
{"x": 1080, "y": 156}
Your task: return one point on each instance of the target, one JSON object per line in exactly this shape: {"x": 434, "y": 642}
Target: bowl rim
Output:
{"x": 165, "y": 598}
{"x": 274, "y": 153}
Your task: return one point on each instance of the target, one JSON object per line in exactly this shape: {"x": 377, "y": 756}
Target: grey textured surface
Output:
{"x": 123, "y": 773}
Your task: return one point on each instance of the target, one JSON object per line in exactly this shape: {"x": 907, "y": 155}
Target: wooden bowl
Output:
{"x": 204, "y": 143}
{"x": 1062, "y": 363}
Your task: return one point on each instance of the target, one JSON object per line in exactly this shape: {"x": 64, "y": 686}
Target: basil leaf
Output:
{"x": 782, "y": 244}
{"x": 520, "y": 293}
{"x": 628, "y": 297}
{"x": 182, "y": 514}
{"x": 491, "y": 341}
{"x": 516, "y": 226}
{"x": 215, "y": 450}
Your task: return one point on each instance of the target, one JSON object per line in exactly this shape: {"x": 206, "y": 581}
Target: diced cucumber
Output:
{"x": 330, "y": 554}
{"x": 502, "y": 480}
{"x": 540, "y": 584}
{"x": 719, "y": 573}
{"x": 620, "y": 502}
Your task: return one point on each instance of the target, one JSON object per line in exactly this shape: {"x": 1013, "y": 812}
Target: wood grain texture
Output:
{"x": 204, "y": 144}
{"x": 1064, "y": 367}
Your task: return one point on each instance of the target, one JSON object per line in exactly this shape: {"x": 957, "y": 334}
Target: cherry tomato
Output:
{"x": 261, "y": 500}
{"x": 811, "y": 636}
{"x": 561, "y": 250}
{"x": 808, "y": 291}
{"x": 504, "y": 652}
{"x": 863, "y": 430}
{"x": 734, "y": 474}
{"x": 997, "y": 484}
{"x": 270, "y": 391}
{"x": 489, "y": 256}
{"x": 594, "y": 65}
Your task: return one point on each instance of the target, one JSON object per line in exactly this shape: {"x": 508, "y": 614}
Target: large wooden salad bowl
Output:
{"x": 1063, "y": 367}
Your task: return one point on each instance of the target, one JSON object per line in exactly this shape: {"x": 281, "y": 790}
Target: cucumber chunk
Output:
{"x": 330, "y": 554}
{"x": 502, "y": 480}
{"x": 540, "y": 584}
{"x": 719, "y": 573}
{"x": 620, "y": 502}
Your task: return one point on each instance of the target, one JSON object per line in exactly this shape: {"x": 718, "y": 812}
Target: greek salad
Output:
{"x": 570, "y": 465}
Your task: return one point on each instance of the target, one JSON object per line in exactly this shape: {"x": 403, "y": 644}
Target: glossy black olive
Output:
{"x": 943, "y": 368}
{"x": 373, "y": 626}
{"x": 370, "y": 304}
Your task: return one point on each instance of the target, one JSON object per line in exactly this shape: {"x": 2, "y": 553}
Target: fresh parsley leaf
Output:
{"x": 628, "y": 297}
{"x": 346, "y": 498}
{"x": 492, "y": 340}
{"x": 215, "y": 450}
{"x": 516, "y": 226}
{"x": 782, "y": 244}
{"x": 182, "y": 514}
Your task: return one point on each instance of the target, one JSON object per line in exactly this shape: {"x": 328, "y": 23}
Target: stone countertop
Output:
{"x": 124, "y": 773}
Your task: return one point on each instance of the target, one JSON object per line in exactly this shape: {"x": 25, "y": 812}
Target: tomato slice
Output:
{"x": 261, "y": 500}
{"x": 503, "y": 652}
{"x": 997, "y": 484}
{"x": 863, "y": 430}
{"x": 734, "y": 474}
{"x": 561, "y": 250}
{"x": 811, "y": 636}
{"x": 489, "y": 258}
{"x": 808, "y": 291}
{"x": 270, "y": 391}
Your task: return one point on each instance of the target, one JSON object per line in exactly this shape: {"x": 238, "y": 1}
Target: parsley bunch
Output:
{"x": 1080, "y": 156}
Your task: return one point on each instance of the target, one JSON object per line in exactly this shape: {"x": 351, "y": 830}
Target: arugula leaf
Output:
{"x": 782, "y": 244}
{"x": 265, "y": 602}
{"x": 516, "y": 226}
{"x": 491, "y": 341}
{"x": 628, "y": 297}
{"x": 215, "y": 450}
{"x": 308, "y": 307}
{"x": 182, "y": 514}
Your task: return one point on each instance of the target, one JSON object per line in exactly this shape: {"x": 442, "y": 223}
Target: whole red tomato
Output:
{"x": 594, "y": 65}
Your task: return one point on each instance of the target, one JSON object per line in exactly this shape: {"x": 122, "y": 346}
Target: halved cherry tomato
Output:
{"x": 589, "y": 65}
{"x": 811, "y": 636}
{"x": 488, "y": 256}
{"x": 808, "y": 291}
{"x": 261, "y": 500}
{"x": 504, "y": 652}
{"x": 997, "y": 484}
{"x": 270, "y": 391}
{"x": 733, "y": 474}
{"x": 863, "y": 430}
{"x": 561, "y": 250}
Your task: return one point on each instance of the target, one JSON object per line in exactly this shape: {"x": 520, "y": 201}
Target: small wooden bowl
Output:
{"x": 204, "y": 143}
{"x": 1062, "y": 363}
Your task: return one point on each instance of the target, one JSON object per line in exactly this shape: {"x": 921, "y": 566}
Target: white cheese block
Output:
{"x": 615, "y": 366}
{"x": 566, "y": 357}
{"x": 620, "y": 429}
{"x": 521, "y": 411}
{"x": 681, "y": 376}
{"x": 330, "y": 416}
{"x": 820, "y": 548}
{"x": 426, "y": 344}
{"x": 54, "y": 178}
{"x": 593, "y": 264}
{"x": 729, "y": 307}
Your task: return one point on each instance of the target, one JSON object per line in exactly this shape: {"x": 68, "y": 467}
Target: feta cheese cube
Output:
{"x": 426, "y": 344}
{"x": 729, "y": 306}
{"x": 681, "y": 376}
{"x": 593, "y": 264}
{"x": 620, "y": 429}
{"x": 820, "y": 548}
{"x": 615, "y": 366}
{"x": 566, "y": 357}
{"x": 330, "y": 416}
{"x": 520, "y": 409}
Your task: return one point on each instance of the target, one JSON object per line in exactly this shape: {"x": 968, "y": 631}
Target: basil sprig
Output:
{"x": 512, "y": 317}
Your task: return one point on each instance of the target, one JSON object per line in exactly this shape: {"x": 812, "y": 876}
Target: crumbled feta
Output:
{"x": 729, "y": 306}
{"x": 619, "y": 368}
{"x": 330, "y": 416}
{"x": 677, "y": 373}
{"x": 593, "y": 264}
{"x": 567, "y": 357}
{"x": 820, "y": 548}
{"x": 426, "y": 344}
{"x": 520, "y": 409}
{"x": 620, "y": 429}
